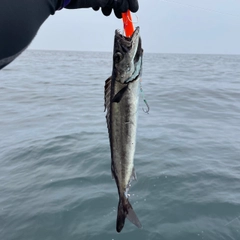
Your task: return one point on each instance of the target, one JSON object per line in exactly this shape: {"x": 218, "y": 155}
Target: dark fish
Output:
{"x": 121, "y": 102}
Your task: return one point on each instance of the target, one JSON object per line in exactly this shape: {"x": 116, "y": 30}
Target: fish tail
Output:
{"x": 125, "y": 210}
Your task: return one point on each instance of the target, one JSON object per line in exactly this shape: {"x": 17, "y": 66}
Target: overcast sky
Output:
{"x": 167, "y": 26}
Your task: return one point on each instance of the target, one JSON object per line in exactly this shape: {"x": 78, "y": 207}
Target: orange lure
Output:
{"x": 127, "y": 23}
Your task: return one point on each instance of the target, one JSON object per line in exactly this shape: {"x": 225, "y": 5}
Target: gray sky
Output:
{"x": 167, "y": 26}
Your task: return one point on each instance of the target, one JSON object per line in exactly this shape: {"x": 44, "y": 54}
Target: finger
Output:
{"x": 95, "y": 8}
{"x": 106, "y": 11}
{"x": 133, "y": 5}
{"x": 103, "y": 3}
{"x": 118, "y": 14}
{"x": 124, "y": 7}
{"x": 116, "y": 4}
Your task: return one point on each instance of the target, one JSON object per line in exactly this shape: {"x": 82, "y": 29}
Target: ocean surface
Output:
{"x": 55, "y": 177}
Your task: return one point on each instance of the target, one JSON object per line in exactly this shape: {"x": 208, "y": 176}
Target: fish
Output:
{"x": 121, "y": 102}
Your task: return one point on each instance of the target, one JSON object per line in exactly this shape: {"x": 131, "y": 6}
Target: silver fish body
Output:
{"x": 121, "y": 102}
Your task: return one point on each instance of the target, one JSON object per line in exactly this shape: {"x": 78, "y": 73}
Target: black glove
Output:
{"x": 119, "y": 6}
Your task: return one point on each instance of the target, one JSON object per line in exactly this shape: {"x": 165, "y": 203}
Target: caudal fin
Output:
{"x": 125, "y": 210}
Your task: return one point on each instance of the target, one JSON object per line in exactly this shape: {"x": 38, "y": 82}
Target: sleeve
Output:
{"x": 19, "y": 23}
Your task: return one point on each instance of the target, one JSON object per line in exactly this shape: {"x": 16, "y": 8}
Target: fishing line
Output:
{"x": 237, "y": 218}
{"x": 201, "y": 8}
{"x": 130, "y": 20}
{"x": 144, "y": 99}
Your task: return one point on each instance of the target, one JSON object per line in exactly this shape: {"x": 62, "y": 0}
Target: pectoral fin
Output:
{"x": 117, "y": 98}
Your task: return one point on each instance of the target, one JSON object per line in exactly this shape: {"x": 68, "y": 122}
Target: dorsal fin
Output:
{"x": 107, "y": 97}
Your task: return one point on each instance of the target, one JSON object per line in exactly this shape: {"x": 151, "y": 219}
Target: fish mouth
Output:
{"x": 126, "y": 44}
{"x": 127, "y": 40}
{"x": 132, "y": 47}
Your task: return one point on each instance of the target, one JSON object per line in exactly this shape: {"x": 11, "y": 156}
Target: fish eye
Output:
{"x": 118, "y": 57}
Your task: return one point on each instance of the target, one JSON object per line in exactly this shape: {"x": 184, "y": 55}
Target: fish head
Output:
{"x": 127, "y": 57}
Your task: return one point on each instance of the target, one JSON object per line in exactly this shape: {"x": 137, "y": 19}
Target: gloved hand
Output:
{"x": 119, "y": 6}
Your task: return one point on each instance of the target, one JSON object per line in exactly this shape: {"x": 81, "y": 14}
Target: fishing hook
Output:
{"x": 148, "y": 108}
{"x": 144, "y": 99}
